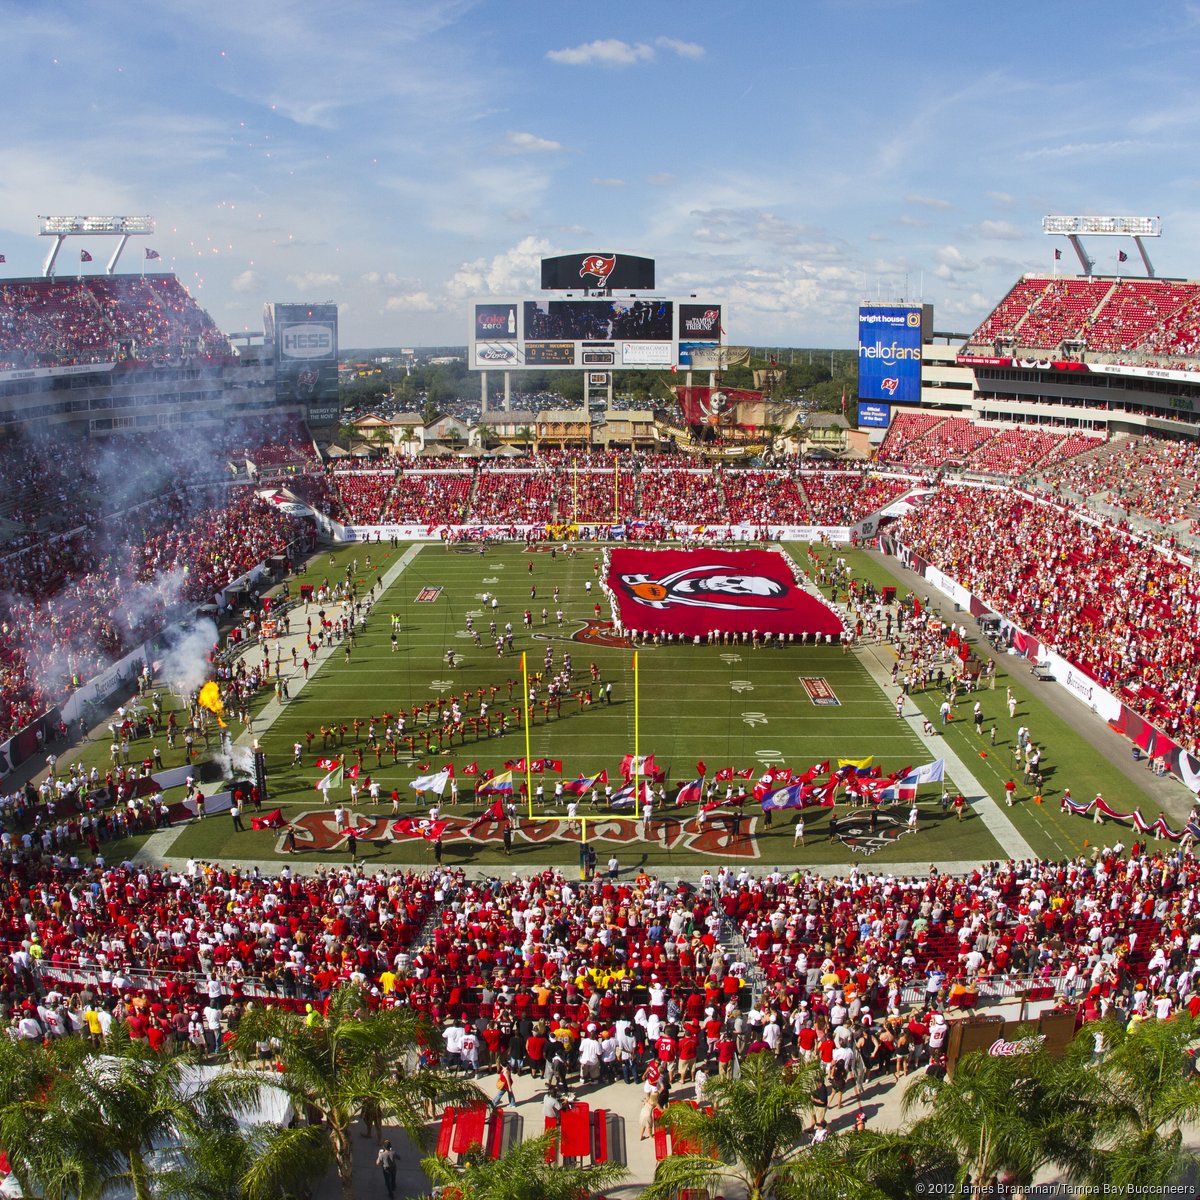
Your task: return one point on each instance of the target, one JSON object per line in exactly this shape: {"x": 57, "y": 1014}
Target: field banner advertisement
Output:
{"x": 889, "y": 353}
{"x": 495, "y": 322}
{"x": 306, "y": 353}
{"x": 696, "y": 592}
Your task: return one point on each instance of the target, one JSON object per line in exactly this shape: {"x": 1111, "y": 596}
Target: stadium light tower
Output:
{"x": 1073, "y": 229}
{"x": 61, "y": 228}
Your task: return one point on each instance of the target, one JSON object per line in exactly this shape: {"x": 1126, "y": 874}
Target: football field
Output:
{"x": 736, "y": 708}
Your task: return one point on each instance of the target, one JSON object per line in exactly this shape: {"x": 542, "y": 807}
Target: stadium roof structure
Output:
{"x": 61, "y": 228}
{"x": 1072, "y": 228}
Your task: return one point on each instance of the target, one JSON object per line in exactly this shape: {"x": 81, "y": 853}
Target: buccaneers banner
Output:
{"x": 721, "y": 406}
{"x": 697, "y": 592}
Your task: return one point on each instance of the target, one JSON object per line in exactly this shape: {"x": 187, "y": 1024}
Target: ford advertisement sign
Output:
{"x": 889, "y": 354}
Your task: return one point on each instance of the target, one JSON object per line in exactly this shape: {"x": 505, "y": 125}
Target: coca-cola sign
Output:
{"x": 700, "y": 321}
{"x": 1028, "y": 1045}
{"x": 495, "y": 322}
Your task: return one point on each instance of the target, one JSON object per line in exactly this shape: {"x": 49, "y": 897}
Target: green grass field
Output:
{"x": 730, "y": 706}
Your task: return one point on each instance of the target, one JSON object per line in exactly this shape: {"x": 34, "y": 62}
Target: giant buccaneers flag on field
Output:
{"x": 425, "y": 828}
{"x": 695, "y": 592}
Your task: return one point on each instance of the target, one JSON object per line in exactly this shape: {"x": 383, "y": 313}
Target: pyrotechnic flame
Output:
{"x": 210, "y": 698}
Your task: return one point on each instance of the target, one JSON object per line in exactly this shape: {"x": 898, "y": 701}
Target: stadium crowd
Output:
{"x": 1123, "y": 610}
{"x": 65, "y": 322}
{"x": 536, "y": 968}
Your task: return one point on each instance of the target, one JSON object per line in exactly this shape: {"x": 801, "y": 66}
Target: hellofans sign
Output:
{"x": 695, "y": 592}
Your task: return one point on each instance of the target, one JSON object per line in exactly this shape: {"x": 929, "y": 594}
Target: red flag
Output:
{"x": 488, "y": 774}
{"x": 1122, "y": 256}
{"x": 602, "y": 778}
{"x": 554, "y": 764}
{"x": 449, "y": 769}
{"x": 272, "y": 820}
{"x": 353, "y": 772}
{"x": 427, "y": 829}
{"x": 701, "y": 769}
{"x": 150, "y": 254}
{"x": 471, "y": 769}
{"x": 326, "y": 764}
{"x": 748, "y": 773}
{"x": 537, "y": 766}
{"x": 84, "y": 256}
{"x": 494, "y": 812}
{"x": 723, "y": 774}
{"x": 423, "y": 768}
{"x": 690, "y": 793}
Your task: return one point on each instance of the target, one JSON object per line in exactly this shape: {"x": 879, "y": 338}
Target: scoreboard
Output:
{"x": 604, "y": 333}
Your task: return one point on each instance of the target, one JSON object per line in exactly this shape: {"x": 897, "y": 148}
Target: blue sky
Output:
{"x": 786, "y": 158}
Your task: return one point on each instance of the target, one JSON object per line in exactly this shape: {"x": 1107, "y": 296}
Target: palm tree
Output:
{"x": 274, "y": 1161}
{"x": 752, "y": 1127}
{"x": 77, "y": 1123}
{"x": 349, "y": 1064}
{"x": 1139, "y": 1096}
{"x": 1000, "y": 1115}
{"x": 523, "y": 1174}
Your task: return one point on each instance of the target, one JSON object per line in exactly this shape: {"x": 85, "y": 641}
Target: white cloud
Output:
{"x": 953, "y": 259}
{"x": 605, "y": 52}
{"x": 414, "y": 302}
{"x": 612, "y": 52}
{"x": 683, "y": 49}
{"x": 662, "y": 179}
{"x": 597, "y": 181}
{"x": 928, "y": 201}
{"x": 246, "y": 282}
{"x": 1001, "y": 198}
{"x": 1004, "y": 231}
{"x": 530, "y": 143}
{"x": 515, "y": 270}
{"x": 314, "y": 281}
{"x": 1090, "y": 149}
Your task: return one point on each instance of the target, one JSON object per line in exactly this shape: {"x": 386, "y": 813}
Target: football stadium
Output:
{"x": 581, "y": 807}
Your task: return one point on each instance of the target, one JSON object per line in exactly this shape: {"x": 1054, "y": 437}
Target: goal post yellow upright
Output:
{"x": 635, "y": 816}
{"x": 637, "y": 746}
{"x": 525, "y": 721}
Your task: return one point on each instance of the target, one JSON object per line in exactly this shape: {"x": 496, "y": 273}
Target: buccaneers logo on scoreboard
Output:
{"x": 708, "y": 586}
{"x": 598, "y": 265}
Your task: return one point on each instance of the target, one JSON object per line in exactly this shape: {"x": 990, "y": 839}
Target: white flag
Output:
{"x": 431, "y": 783}
{"x": 934, "y": 772}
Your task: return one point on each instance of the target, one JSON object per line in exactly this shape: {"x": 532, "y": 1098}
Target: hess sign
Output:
{"x": 307, "y": 341}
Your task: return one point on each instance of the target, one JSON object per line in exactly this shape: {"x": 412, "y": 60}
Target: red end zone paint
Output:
{"x": 694, "y": 592}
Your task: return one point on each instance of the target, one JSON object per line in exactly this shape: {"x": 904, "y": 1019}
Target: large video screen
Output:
{"x": 599, "y": 320}
{"x": 889, "y": 353}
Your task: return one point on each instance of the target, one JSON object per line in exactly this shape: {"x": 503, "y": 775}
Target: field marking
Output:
{"x": 994, "y": 820}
